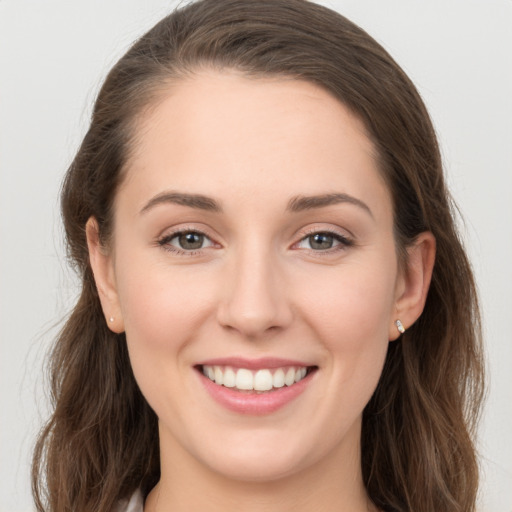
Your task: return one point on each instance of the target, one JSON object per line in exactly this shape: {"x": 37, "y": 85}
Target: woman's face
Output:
{"x": 253, "y": 242}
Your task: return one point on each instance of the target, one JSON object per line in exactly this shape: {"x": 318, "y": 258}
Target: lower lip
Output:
{"x": 256, "y": 404}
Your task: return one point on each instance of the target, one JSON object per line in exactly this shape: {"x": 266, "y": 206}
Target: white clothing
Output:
{"x": 134, "y": 504}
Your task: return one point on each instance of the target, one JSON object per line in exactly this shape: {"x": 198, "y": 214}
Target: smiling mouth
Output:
{"x": 255, "y": 381}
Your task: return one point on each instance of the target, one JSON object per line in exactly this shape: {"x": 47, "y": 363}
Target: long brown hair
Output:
{"x": 101, "y": 442}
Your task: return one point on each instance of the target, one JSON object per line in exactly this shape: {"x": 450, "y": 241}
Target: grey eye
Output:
{"x": 190, "y": 241}
{"x": 321, "y": 241}
{"x": 324, "y": 241}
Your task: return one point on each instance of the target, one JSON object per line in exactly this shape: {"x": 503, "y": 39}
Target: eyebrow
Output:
{"x": 296, "y": 204}
{"x": 302, "y": 203}
{"x": 191, "y": 200}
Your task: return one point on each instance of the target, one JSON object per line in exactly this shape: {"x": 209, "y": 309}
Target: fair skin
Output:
{"x": 251, "y": 270}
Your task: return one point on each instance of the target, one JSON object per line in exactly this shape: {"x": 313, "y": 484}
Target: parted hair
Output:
{"x": 418, "y": 455}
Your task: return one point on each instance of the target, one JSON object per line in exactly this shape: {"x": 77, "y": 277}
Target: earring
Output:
{"x": 111, "y": 319}
{"x": 399, "y": 326}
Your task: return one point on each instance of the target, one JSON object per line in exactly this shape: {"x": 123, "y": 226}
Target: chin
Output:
{"x": 257, "y": 467}
{"x": 263, "y": 456}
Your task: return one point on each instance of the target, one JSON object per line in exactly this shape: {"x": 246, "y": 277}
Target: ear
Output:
{"x": 414, "y": 282}
{"x": 103, "y": 269}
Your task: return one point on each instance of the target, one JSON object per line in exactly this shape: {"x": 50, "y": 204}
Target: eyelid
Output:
{"x": 171, "y": 233}
{"x": 177, "y": 229}
{"x": 345, "y": 240}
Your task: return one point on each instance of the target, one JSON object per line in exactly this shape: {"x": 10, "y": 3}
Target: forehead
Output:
{"x": 224, "y": 134}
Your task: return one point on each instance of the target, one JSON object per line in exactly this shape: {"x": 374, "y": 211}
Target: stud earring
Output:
{"x": 111, "y": 319}
{"x": 400, "y": 326}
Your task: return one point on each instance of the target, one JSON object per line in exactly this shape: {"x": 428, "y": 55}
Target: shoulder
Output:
{"x": 134, "y": 504}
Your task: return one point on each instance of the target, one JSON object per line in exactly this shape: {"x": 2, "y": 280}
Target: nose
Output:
{"x": 254, "y": 296}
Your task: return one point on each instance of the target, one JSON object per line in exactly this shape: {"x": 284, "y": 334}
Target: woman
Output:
{"x": 276, "y": 307}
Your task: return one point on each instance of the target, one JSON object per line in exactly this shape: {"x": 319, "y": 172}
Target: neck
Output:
{"x": 332, "y": 484}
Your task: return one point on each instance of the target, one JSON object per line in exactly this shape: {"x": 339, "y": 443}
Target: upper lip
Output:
{"x": 253, "y": 364}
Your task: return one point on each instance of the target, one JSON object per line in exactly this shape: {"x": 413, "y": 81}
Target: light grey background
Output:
{"x": 53, "y": 56}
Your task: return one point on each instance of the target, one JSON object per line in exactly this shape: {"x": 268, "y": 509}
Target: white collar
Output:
{"x": 134, "y": 504}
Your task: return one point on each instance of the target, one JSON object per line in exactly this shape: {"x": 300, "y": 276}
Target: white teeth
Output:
{"x": 244, "y": 379}
{"x": 278, "y": 379}
{"x": 261, "y": 380}
{"x": 289, "y": 378}
{"x": 219, "y": 376}
{"x": 229, "y": 378}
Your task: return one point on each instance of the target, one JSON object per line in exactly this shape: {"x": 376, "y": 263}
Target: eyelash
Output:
{"x": 343, "y": 242}
{"x": 164, "y": 242}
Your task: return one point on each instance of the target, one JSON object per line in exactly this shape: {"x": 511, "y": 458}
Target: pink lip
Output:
{"x": 253, "y": 403}
{"x": 253, "y": 364}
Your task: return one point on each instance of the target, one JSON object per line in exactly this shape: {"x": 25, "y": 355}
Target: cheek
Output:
{"x": 353, "y": 301}
{"x": 160, "y": 305}
{"x": 162, "y": 309}
{"x": 154, "y": 313}
{"x": 350, "y": 311}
